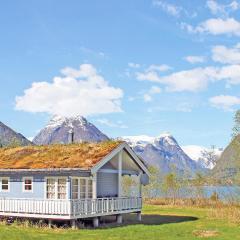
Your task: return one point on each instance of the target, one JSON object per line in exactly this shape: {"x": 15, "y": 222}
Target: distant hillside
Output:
{"x": 228, "y": 166}
{"x": 10, "y": 137}
{"x": 57, "y": 131}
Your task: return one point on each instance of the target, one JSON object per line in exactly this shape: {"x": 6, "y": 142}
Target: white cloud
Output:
{"x": 80, "y": 91}
{"x": 160, "y": 68}
{"x": 195, "y": 59}
{"x": 222, "y": 9}
{"x": 224, "y": 102}
{"x": 171, "y": 9}
{"x": 195, "y": 79}
{"x": 231, "y": 73}
{"x": 189, "y": 80}
{"x": 134, "y": 65}
{"x": 225, "y": 55}
{"x": 155, "y": 90}
{"x": 215, "y": 26}
{"x": 148, "y": 96}
{"x": 108, "y": 123}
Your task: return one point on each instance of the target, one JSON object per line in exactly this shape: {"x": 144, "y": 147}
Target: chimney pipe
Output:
{"x": 71, "y": 136}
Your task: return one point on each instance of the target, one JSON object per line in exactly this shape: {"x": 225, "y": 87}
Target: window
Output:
{"x": 75, "y": 186}
{"x": 82, "y": 188}
{"x": 50, "y": 188}
{"x": 56, "y": 188}
{"x": 27, "y": 184}
{"x": 62, "y": 188}
{"x": 90, "y": 193}
{"x": 5, "y": 184}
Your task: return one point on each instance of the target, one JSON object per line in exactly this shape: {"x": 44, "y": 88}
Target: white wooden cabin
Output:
{"x": 70, "y": 182}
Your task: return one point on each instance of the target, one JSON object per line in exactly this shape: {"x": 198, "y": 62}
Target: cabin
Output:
{"x": 70, "y": 182}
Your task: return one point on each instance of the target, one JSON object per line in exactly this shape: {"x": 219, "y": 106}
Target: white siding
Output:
{"x": 107, "y": 184}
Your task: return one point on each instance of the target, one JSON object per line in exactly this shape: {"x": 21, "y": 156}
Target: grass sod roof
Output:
{"x": 81, "y": 155}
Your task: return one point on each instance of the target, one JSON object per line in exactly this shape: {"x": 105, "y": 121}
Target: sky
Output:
{"x": 130, "y": 67}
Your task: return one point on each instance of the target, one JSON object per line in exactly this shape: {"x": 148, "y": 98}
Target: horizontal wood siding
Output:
{"x": 107, "y": 184}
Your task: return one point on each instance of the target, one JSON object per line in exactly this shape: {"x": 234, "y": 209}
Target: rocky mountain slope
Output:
{"x": 228, "y": 166}
{"x": 57, "y": 131}
{"x": 9, "y": 137}
{"x": 195, "y": 153}
{"x": 163, "y": 151}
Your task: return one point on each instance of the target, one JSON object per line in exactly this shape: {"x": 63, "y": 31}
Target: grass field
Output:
{"x": 159, "y": 222}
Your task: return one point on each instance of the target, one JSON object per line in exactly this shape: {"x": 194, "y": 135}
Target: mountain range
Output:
{"x": 9, "y": 137}
{"x": 162, "y": 151}
{"x": 58, "y": 129}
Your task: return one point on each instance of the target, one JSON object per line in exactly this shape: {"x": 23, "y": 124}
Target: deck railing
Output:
{"x": 68, "y": 209}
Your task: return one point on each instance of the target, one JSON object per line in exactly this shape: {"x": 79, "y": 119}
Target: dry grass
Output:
{"x": 195, "y": 202}
{"x": 82, "y": 155}
{"x": 205, "y": 233}
{"x": 229, "y": 213}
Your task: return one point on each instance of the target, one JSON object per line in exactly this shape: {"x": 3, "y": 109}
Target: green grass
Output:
{"x": 159, "y": 222}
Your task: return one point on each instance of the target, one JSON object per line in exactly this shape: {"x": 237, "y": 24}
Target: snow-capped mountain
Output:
{"x": 195, "y": 153}
{"x": 10, "y": 137}
{"x": 163, "y": 151}
{"x": 57, "y": 131}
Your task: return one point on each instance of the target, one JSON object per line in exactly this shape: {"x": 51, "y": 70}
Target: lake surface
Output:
{"x": 225, "y": 193}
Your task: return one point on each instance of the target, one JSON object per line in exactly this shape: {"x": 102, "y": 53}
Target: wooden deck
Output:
{"x": 68, "y": 209}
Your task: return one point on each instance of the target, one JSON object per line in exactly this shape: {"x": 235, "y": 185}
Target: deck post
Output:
{"x": 50, "y": 223}
{"x": 119, "y": 219}
{"x": 120, "y": 174}
{"x": 74, "y": 224}
{"x": 94, "y": 182}
{"x": 139, "y": 216}
{"x": 95, "y": 222}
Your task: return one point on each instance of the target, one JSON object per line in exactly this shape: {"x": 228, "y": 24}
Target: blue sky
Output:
{"x": 131, "y": 67}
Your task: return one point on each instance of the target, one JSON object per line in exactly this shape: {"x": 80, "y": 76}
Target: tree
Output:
{"x": 236, "y": 127}
{"x": 151, "y": 190}
{"x": 129, "y": 185}
{"x": 209, "y": 156}
{"x": 198, "y": 183}
{"x": 171, "y": 186}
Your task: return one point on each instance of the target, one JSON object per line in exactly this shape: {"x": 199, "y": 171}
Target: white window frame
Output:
{"x": 79, "y": 187}
{"x": 4, "y": 178}
{"x": 23, "y": 184}
{"x": 56, "y": 187}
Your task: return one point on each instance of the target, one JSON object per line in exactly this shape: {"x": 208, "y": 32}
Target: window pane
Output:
{"x": 4, "y": 187}
{"x": 28, "y": 181}
{"x": 4, "y": 181}
{"x": 61, "y": 181}
{"x": 50, "y": 181}
{"x": 82, "y": 181}
{"x": 28, "y": 187}
{"x": 75, "y": 181}
{"x": 82, "y": 194}
{"x": 75, "y": 195}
